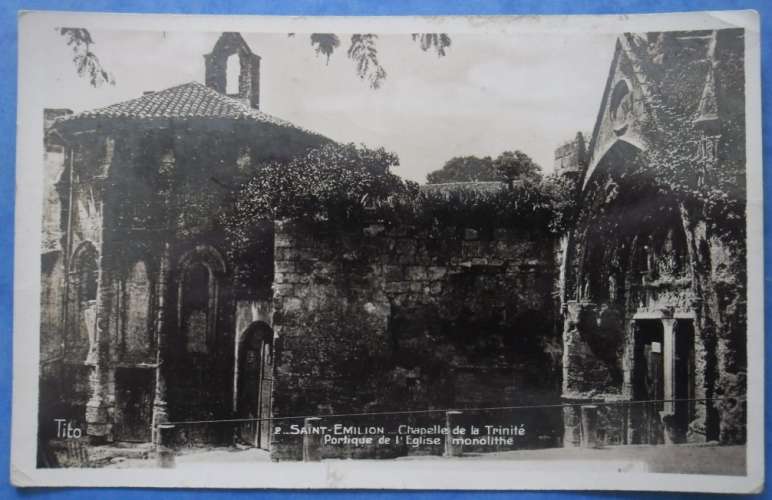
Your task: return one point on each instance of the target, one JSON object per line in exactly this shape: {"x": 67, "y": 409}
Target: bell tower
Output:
{"x": 234, "y": 70}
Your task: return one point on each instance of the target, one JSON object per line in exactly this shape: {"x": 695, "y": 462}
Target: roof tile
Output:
{"x": 189, "y": 100}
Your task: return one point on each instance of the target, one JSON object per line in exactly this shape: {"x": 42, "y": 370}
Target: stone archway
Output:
{"x": 628, "y": 281}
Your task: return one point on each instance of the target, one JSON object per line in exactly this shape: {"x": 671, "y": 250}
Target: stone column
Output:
{"x": 451, "y": 421}
{"x": 668, "y": 358}
{"x": 572, "y": 426}
{"x": 697, "y": 427}
{"x": 165, "y": 446}
{"x": 99, "y": 406}
{"x": 312, "y": 440}
{"x": 160, "y": 413}
{"x": 166, "y": 169}
{"x": 629, "y": 411}
{"x": 589, "y": 421}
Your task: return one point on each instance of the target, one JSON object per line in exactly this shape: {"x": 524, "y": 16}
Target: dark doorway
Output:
{"x": 684, "y": 378}
{"x": 254, "y": 384}
{"x": 648, "y": 383}
{"x": 134, "y": 391}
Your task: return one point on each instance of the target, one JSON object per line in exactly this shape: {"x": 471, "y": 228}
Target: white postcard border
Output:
{"x": 365, "y": 474}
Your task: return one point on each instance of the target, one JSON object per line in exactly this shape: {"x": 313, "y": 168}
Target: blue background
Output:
{"x": 8, "y": 61}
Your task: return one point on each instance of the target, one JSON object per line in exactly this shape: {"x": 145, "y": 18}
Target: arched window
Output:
{"x": 83, "y": 286}
{"x": 620, "y": 107}
{"x": 232, "y": 74}
{"x": 138, "y": 290}
{"x": 200, "y": 271}
{"x": 86, "y": 269}
{"x": 195, "y": 307}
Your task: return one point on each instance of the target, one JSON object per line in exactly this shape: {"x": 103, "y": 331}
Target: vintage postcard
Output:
{"x": 413, "y": 253}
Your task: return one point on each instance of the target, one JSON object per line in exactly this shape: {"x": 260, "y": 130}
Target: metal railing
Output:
{"x": 586, "y": 423}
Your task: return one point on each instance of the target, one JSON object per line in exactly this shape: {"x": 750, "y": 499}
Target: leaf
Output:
{"x": 438, "y": 41}
{"x": 325, "y": 43}
{"x": 364, "y": 54}
{"x": 87, "y": 64}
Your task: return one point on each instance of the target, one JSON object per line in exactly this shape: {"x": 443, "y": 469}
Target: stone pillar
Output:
{"x": 165, "y": 446}
{"x": 589, "y": 426}
{"x": 160, "y": 413}
{"x": 451, "y": 420}
{"x": 629, "y": 411}
{"x": 99, "y": 406}
{"x": 312, "y": 441}
{"x": 166, "y": 169}
{"x": 697, "y": 427}
{"x": 572, "y": 426}
{"x": 668, "y": 359}
{"x": 582, "y": 371}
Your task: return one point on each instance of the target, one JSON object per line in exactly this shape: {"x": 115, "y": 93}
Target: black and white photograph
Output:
{"x": 462, "y": 245}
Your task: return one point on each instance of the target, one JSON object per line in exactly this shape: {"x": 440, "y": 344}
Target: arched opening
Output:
{"x": 630, "y": 247}
{"x": 631, "y": 279}
{"x": 79, "y": 335}
{"x": 201, "y": 271}
{"x": 254, "y": 384}
{"x": 86, "y": 268}
{"x": 198, "y": 381}
{"x": 232, "y": 74}
{"x": 84, "y": 278}
{"x": 619, "y": 98}
{"x": 137, "y": 335}
{"x": 196, "y": 308}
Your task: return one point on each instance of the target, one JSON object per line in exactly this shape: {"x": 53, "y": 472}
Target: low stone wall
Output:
{"x": 384, "y": 319}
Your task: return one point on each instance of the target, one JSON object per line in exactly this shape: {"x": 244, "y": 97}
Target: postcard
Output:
{"x": 485, "y": 253}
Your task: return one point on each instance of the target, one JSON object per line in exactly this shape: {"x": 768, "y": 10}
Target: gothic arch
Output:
{"x": 620, "y": 220}
{"x": 627, "y": 259}
{"x": 613, "y": 153}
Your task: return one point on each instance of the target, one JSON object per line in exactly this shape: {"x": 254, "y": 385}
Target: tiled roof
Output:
{"x": 189, "y": 100}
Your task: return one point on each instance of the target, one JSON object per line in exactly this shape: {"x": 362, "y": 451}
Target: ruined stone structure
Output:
{"x": 379, "y": 319}
{"x": 147, "y": 315}
{"x": 571, "y": 158}
{"x": 150, "y": 315}
{"x": 654, "y": 288}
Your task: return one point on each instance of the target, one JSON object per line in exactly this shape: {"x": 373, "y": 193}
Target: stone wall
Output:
{"x": 571, "y": 158}
{"x": 392, "y": 319}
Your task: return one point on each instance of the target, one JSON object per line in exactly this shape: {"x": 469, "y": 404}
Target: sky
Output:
{"x": 489, "y": 94}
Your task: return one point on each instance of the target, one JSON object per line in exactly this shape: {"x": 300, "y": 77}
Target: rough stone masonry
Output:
{"x": 399, "y": 319}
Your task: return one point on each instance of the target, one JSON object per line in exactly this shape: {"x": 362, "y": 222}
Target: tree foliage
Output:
{"x": 465, "y": 169}
{"x": 517, "y": 166}
{"x": 526, "y": 206}
{"x": 712, "y": 182}
{"x": 509, "y": 166}
{"x": 364, "y": 53}
{"x": 334, "y": 184}
{"x": 347, "y": 185}
{"x": 325, "y": 44}
{"x": 437, "y": 41}
{"x": 87, "y": 64}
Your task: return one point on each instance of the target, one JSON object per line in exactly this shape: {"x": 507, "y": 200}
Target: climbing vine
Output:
{"x": 701, "y": 163}
{"x": 344, "y": 186}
